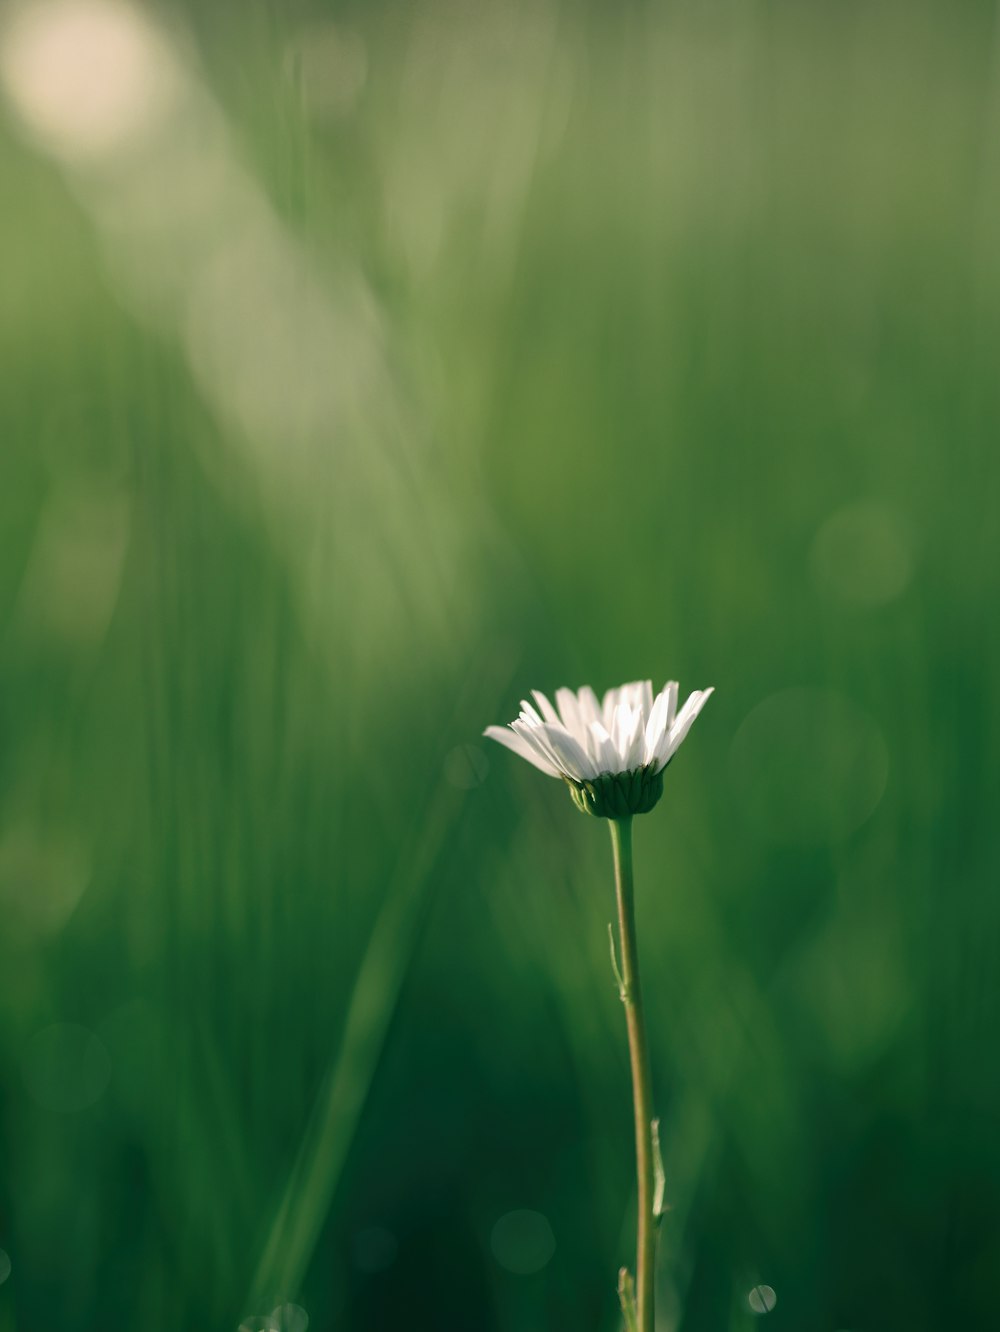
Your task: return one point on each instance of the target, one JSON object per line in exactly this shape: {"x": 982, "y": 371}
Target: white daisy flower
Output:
{"x": 611, "y": 752}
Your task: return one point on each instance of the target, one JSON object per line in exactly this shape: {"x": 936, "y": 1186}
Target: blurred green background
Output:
{"x": 365, "y": 366}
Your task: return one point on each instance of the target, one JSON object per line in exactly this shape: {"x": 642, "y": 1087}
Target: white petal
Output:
{"x": 569, "y": 711}
{"x": 567, "y": 751}
{"x": 670, "y": 689}
{"x": 536, "y": 738}
{"x": 603, "y": 749}
{"x": 690, "y": 710}
{"x": 685, "y": 718}
{"x": 626, "y": 719}
{"x": 646, "y": 698}
{"x": 545, "y": 707}
{"x": 634, "y": 694}
{"x": 529, "y": 714}
{"x": 590, "y": 709}
{"x": 609, "y": 706}
{"x": 522, "y": 748}
{"x": 657, "y": 725}
{"x": 638, "y": 694}
{"x": 635, "y": 743}
{"x": 614, "y": 725}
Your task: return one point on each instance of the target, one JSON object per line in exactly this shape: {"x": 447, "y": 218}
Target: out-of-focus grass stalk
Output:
{"x": 306, "y": 1199}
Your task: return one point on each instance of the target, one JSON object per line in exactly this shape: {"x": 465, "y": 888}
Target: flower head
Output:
{"x": 611, "y": 752}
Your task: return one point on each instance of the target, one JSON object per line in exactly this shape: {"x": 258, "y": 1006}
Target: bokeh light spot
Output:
{"x": 808, "y": 767}
{"x": 762, "y": 1299}
{"x": 289, "y": 1318}
{"x": 375, "y": 1249}
{"x": 522, "y": 1242}
{"x": 89, "y": 77}
{"x": 466, "y": 767}
{"x": 65, "y": 1067}
{"x": 862, "y": 554}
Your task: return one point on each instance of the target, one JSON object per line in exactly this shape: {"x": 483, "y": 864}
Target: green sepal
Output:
{"x": 617, "y": 795}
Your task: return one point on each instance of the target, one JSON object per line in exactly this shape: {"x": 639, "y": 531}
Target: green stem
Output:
{"x": 642, "y": 1096}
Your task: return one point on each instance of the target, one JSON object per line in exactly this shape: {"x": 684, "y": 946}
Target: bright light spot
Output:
{"x": 808, "y": 766}
{"x": 331, "y": 64}
{"x": 289, "y": 353}
{"x": 42, "y": 877}
{"x": 89, "y": 78}
{"x": 4, "y": 1267}
{"x": 466, "y": 767}
{"x": 288, "y": 1318}
{"x": 762, "y": 1299}
{"x": 862, "y": 554}
{"x": 375, "y": 1249}
{"x": 522, "y": 1242}
{"x": 66, "y": 1068}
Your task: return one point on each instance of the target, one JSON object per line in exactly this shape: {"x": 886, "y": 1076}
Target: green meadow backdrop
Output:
{"x": 361, "y": 368}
